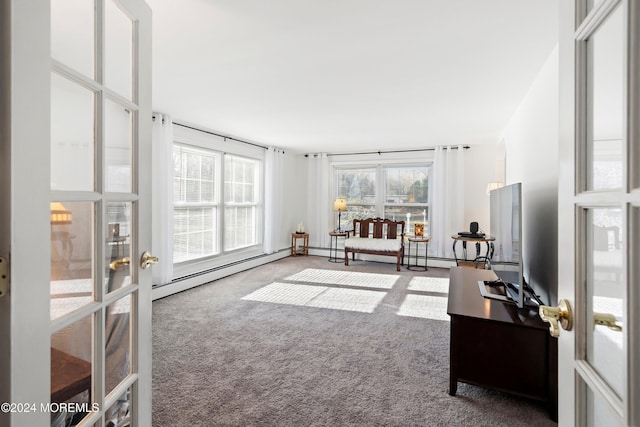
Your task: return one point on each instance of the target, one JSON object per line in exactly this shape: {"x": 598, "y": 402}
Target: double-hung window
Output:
{"x": 358, "y": 186}
{"x": 195, "y": 195}
{"x": 406, "y": 195}
{"x": 397, "y": 192}
{"x": 240, "y": 201}
{"x": 217, "y": 201}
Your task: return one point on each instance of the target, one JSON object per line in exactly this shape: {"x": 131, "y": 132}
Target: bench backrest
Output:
{"x": 380, "y": 228}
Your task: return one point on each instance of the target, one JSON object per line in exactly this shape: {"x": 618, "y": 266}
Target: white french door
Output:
{"x": 77, "y": 216}
{"x": 599, "y": 204}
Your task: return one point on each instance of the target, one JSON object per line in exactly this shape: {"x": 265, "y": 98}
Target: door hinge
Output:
{"x": 4, "y": 276}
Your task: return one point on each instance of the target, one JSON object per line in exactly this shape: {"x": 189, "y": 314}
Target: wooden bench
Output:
{"x": 376, "y": 236}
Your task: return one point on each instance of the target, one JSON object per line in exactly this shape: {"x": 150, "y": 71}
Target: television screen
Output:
{"x": 506, "y": 228}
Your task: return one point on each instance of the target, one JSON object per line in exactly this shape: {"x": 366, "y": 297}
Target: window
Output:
{"x": 241, "y": 201}
{"x": 216, "y": 198}
{"x": 358, "y": 185}
{"x": 396, "y": 192}
{"x": 195, "y": 214}
{"x": 406, "y": 195}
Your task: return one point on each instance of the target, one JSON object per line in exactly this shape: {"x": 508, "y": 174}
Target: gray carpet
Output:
{"x": 221, "y": 360}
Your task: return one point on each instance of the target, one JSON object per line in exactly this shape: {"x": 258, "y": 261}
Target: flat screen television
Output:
{"x": 506, "y": 228}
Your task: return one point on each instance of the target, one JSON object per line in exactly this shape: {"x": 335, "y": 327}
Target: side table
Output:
{"x": 417, "y": 240}
{"x": 333, "y": 247}
{"x": 480, "y": 261}
{"x": 304, "y": 250}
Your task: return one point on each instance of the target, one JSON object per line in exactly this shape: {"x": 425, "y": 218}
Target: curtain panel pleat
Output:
{"x": 162, "y": 203}
{"x": 273, "y": 190}
{"x": 318, "y": 207}
{"x": 447, "y": 200}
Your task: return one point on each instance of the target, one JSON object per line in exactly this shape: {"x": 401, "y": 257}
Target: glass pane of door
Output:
{"x": 599, "y": 413}
{"x": 72, "y": 34}
{"x": 118, "y": 245}
{"x": 118, "y": 154}
{"x": 72, "y": 256}
{"x": 605, "y": 50}
{"x": 72, "y": 378}
{"x": 118, "y": 50}
{"x": 117, "y": 342}
{"x": 605, "y": 295}
{"x": 72, "y": 135}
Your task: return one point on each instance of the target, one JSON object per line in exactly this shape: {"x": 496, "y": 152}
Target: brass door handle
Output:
{"x": 557, "y": 316}
{"x": 147, "y": 259}
{"x": 122, "y": 261}
{"x": 606, "y": 319}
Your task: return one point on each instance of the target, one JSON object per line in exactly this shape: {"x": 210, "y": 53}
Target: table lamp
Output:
{"x": 340, "y": 205}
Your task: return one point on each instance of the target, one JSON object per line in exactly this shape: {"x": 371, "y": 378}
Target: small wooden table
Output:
{"x": 417, "y": 240}
{"x": 305, "y": 243}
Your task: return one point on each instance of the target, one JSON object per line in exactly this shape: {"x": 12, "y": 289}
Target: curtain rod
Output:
{"x": 221, "y": 136}
{"x": 390, "y": 151}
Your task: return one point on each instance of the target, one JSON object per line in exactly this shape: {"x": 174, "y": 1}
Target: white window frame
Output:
{"x": 215, "y": 203}
{"x": 255, "y": 203}
{"x": 381, "y": 185}
{"x": 204, "y": 140}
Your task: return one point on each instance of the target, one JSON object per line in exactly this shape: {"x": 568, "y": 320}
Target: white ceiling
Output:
{"x": 349, "y": 75}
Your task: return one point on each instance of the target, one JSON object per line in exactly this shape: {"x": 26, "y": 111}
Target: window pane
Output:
{"x": 118, "y": 133}
{"x": 72, "y": 257}
{"x": 355, "y": 212}
{"x": 407, "y": 185}
{"x": 605, "y": 294}
{"x": 194, "y": 175}
{"x": 240, "y": 179}
{"x": 240, "y": 227}
{"x": 410, "y": 215}
{"x": 606, "y": 92}
{"x": 71, "y": 363}
{"x": 357, "y": 185}
{"x": 117, "y": 342}
{"x": 194, "y": 233}
{"x": 118, "y": 49}
{"x": 72, "y": 34}
{"x": 118, "y": 245}
{"x": 72, "y": 135}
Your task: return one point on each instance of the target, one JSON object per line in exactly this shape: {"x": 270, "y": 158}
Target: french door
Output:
{"x": 77, "y": 220}
{"x": 599, "y": 203}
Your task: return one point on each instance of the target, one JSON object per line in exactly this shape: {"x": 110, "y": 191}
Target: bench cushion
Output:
{"x": 369, "y": 244}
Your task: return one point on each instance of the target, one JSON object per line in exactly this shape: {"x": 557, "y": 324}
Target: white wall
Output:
{"x": 480, "y": 169}
{"x": 294, "y": 200}
{"x": 531, "y": 144}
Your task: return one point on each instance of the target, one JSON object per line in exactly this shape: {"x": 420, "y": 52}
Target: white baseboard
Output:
{"x": 218, "y": 273}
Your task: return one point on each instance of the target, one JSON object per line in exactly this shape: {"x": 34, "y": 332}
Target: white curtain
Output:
{"x": 273, "y": 189}
{"x": 318, "y": 207}
{"x": 447, "y": 200}
{"x": 162, "y": 196}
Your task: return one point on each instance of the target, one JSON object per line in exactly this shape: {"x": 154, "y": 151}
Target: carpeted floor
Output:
{"x": 306, "y": 342}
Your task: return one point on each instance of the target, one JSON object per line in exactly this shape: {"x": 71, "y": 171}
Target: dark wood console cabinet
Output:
{"x": 496, "y": 345}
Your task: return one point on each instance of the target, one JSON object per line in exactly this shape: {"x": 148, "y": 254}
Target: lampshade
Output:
{"x": 340, "y": 204}
{"x": 59, "y": 214}
{"x": 493, "y": 186}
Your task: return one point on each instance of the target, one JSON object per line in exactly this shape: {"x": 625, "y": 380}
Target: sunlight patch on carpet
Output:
{"x": 348, "y": 278}
{"x": 425, "y": 307}
{"x": 429, "y": 284}
{"x": 360, "y": 300}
